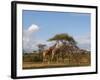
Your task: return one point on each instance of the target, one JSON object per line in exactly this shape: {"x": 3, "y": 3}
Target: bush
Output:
{"x": 32, "y": 57}
{"x": 36, "y": 59}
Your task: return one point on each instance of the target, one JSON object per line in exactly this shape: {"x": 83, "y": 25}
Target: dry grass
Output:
{"x": 33, "y": 61}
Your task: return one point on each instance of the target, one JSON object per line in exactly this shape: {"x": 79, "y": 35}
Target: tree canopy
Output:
{"x": 64, "y": 37}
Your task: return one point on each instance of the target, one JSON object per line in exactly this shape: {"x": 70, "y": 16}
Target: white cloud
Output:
{"x": 33, "y": 28}
{"x": 84, "y": 41}
{"x": 29, "y": 38}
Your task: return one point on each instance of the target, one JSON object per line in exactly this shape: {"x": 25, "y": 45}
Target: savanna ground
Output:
{"x": 35, "y": 60}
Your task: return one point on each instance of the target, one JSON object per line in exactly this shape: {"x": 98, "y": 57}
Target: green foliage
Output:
{"x": 27, "y": 58}
{"x": 72, "y": 41}
{"x": 63, "y": 38}
{"x": 60, "y": 37}
{"x": 32, "y": 57}
{"x": 36, "y": 59}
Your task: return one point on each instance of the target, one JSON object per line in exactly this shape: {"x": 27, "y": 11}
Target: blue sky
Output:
{"x": 51, "y": 23}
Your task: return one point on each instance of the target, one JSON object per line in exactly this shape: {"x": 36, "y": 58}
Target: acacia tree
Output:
{"x": 64, "y": 38}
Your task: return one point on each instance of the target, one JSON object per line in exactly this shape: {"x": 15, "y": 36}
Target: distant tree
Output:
{"x": 34, "y": 51}
{"x": 41, "y": 47}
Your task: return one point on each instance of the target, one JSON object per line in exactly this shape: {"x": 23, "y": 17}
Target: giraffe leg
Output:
{"x": 52, "y": 57}
{"x": 44, "y": 56}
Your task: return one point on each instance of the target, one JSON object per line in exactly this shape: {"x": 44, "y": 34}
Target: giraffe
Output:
{"x": 48, "y": 53}
{"x": 57, "y": 51}
{"x": 62, "y": 50}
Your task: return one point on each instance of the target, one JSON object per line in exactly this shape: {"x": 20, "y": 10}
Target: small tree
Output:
{"x": 41, "y": 47}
